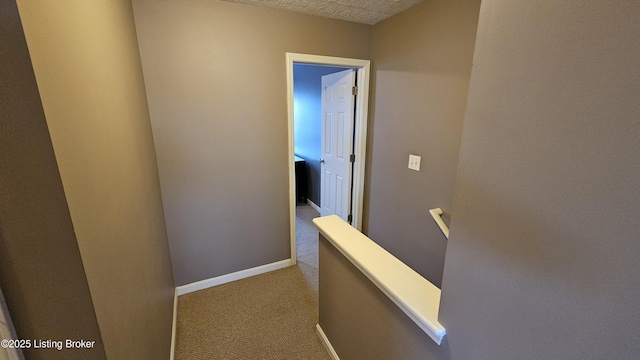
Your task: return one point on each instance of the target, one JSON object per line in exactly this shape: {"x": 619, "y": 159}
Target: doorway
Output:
{"x": 309, "y": 137}
{"x": 361, "y": 70}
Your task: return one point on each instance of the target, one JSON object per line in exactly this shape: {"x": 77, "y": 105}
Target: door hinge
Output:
{"x": 354, "y": 90}
{"x": 350, "y": 219}
{"x": 352, "y": 158}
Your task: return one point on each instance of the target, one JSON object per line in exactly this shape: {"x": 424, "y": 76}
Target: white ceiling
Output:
{"x": 361, "y": 11}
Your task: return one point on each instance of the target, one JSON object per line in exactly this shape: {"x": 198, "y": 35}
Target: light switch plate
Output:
{"x": 414, "y": 162}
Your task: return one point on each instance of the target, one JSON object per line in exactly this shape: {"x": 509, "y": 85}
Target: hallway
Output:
{"x": 268, "y": 316}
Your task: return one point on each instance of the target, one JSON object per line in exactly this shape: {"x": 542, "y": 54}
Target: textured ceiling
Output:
{"x": 361, "y": 11}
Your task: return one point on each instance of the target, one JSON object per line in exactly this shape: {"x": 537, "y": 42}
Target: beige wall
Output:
{"x": 544, "y": 250}
{"x": 216, "y": 84}
{"x": 421, "y": 63}
{"x": 41, "y": 272}
{"x": 87, "y": 66}
{"x": 543, "y": 256}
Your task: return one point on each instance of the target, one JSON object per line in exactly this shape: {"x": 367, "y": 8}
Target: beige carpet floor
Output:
{"x": 269, "y": 316}
{"x": 307, "y": 244}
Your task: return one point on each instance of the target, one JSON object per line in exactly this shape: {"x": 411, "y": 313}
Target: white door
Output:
{"x": 338, "y": 104}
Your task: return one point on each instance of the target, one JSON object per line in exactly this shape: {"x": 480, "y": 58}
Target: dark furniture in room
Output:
{"x": 301, "y": 180}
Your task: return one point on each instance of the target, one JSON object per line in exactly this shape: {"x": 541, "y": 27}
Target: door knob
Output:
{"x": 321, "y": 161}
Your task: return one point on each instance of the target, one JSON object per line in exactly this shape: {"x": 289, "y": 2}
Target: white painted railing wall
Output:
{"x": 418, "y": 298}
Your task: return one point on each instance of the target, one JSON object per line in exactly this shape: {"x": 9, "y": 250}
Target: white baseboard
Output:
{"x": 313, "y": 205}
{"x": 219, "y": 280}
{"x": 174, "y": 325}
{"x": 326, "y": 343}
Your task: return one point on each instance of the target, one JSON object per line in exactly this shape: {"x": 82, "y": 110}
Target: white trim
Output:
{"x": 313, "y": 205}
{"x": 174, "y": 325}
{"x": 327, "y": 344}
{"x": 291, "y": 160}
{"x": 362, "y": 107}
{"x": 436, "y": 214}
{"x": 418, "y": 298}
{"x": 360, "y": 145}
{"x": 238, "y": 275}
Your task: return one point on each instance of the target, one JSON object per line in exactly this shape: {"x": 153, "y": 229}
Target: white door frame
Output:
{"x": 363, "y": 69}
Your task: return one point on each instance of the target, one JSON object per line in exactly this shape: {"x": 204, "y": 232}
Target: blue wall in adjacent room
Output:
{"x": 307, "y": 119}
